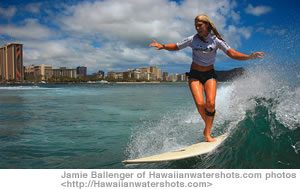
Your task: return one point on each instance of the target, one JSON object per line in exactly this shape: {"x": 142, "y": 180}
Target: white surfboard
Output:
{"x": 183, "y": 153}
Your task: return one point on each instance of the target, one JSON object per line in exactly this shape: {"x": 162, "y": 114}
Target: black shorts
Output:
{"x": 202, "y": 76}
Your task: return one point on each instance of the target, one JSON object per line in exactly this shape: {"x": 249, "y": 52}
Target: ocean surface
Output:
{"x": 99, "y": 125}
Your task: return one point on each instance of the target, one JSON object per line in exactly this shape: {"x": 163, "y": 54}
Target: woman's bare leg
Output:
{"x": 197, "y": 91}
{"x": 210, "y": 88}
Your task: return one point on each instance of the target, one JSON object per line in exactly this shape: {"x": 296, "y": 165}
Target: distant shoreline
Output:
{"x": 85, "y": 83}
{"x": 140, "y": 82}
{"x": 222, "y": 76}
{"x": 120, "y": 82}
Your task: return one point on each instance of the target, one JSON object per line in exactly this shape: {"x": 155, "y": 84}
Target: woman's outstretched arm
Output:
{"x": 239, "y": 56}
{"x": 169, "y": 47}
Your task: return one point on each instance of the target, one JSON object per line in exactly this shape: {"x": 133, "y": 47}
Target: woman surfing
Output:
{"x": 202, "y": 76}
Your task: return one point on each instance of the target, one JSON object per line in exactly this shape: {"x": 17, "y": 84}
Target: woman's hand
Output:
{"x": 256, "y": 55}
{"x": 168, "y": 47}
{"x": 157, "y": 45}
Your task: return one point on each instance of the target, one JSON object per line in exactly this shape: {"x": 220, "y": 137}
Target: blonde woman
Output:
{"x": 202, "y": 76}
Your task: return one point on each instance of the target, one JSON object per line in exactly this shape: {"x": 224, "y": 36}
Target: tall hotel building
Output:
{"x": 81, "y": 71}
{"x": 154, "y": 70}
{"x": 11, "y": 62}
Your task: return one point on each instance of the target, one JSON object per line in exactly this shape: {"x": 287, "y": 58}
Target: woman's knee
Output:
{"x": 200, "y": 105}
{"x": 210, "y": 106}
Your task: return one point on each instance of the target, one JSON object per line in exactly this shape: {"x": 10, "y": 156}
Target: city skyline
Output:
{"x": 46, "y": 72}
{"x": 115, "y": 34}
{"x": 59, "y": 67}
{"x": 13, "y": 69}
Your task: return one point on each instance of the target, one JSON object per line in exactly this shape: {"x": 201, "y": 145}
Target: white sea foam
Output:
{"x": 169, "y": 133}
{"x": 185, "y": 127}
{"x": 25, "y": 88}
{"x": 264, "y": 83}
{"x": 288, "y": 109}
{"x": 182, "y": 127}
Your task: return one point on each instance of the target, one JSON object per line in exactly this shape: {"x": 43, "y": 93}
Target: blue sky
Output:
{"x": 115, "y": 34}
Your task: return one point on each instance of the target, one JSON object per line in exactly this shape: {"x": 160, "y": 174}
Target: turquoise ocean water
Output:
{"x": 100, "y": 125}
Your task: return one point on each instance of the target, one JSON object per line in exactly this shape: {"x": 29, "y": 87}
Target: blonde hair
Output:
{"x": 204, "y": 18}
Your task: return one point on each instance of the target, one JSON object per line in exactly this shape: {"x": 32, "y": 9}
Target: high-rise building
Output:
{"x": 145, "y": 69}
{"x": 111, "y": 74}
{"x": 173, "y": 77}
{"x": 158, "y": 74}
{"x": 11, "y": 62}
{"x": 81, "y": 71}
{"x": 29, "y": 73}
{"x": 181, "y": 77}
{"x": 145, "y": 76}
{"x": 165, "y": 76}
{"x": 65, "y": 72}
{"x": 43, "y": 72}
{"x": 155, "y": 72}
{"x": 99, "y": 74}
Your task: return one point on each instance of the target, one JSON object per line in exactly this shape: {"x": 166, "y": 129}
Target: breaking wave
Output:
{"x": 261, "y": 113}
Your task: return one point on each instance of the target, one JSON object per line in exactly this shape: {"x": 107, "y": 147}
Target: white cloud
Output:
{"x": 71, "y": 53}
{"x": 257, "y": 11}
{"x": 136, "y": 22}
{"x": 8, "y": 12}
{"x": 31, "y": 28}
{"x": 122, "y": 30}
{"x": 45, "y": 51}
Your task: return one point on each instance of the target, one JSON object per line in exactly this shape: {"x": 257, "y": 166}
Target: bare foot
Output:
{"x": 209, "y": 139}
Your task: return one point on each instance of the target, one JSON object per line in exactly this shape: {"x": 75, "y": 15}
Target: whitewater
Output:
{"x": 259, "y": 110}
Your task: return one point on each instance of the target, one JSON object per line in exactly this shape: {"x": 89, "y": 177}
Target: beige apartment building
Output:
{"x": 145, "y": 69}
{"x": 156, "y": 72}
{"x": 144, "y": 73}
{"x": 11, "y": 62}
{"x": 65, "y": 72}
{"x": 43, "y": 72}
{"x": 111, "y": 74}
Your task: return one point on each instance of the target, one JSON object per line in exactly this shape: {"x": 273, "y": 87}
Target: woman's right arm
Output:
{"x": 169, "y": 47}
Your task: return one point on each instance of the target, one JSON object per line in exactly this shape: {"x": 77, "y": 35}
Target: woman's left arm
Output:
{"x": 239, "y": 56}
